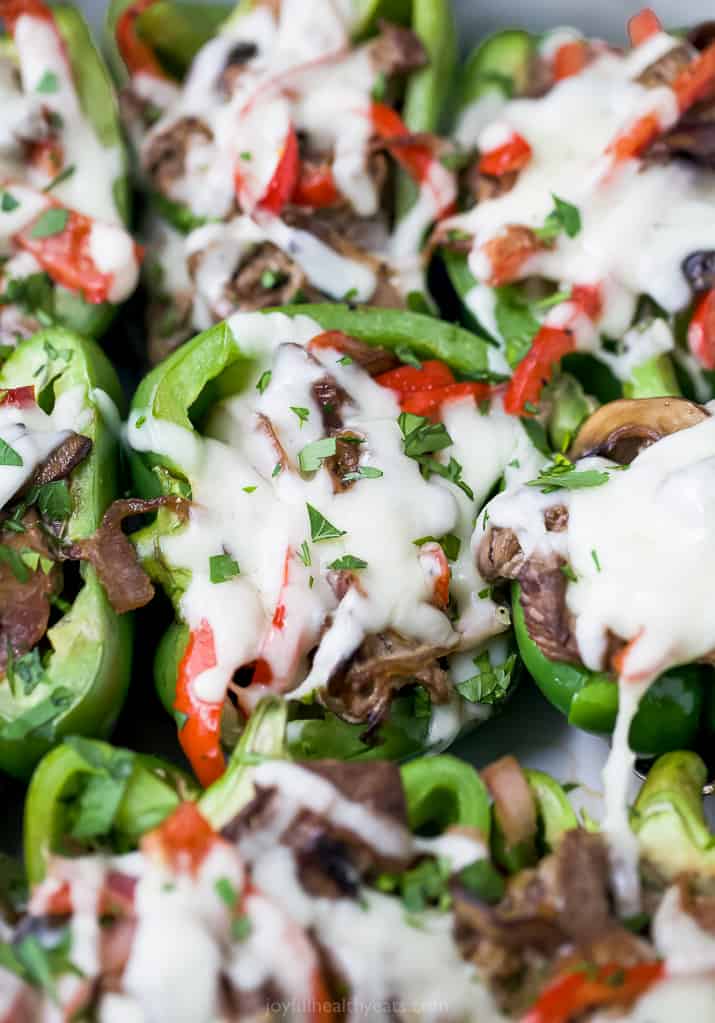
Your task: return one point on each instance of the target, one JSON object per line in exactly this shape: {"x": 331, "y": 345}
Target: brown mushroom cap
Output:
{"x": 621, "y": 429}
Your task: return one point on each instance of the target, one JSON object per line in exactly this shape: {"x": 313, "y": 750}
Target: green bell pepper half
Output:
{"x": 91, "y": 793}
{"x": 181, "y": 390}
{"x": 669, "y": 821}
{"x": 443, "y": 792}
{"x": 98, "y": 102}
{"x": 86, "y": 672}
{"x": 669, "y": 714}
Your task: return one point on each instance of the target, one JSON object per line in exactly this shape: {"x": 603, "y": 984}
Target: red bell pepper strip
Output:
{"x": 434, "y": 561}
{"x": 409, "y": 379}
{"x": 589, "y": 299}
{"x": 285, "y": 177}
{"x": 548, "y": 347}
{"x": 415, "y": 157}
{"x": 315, "y": 187}
{"x": 12, "y": 10}
{"x": 18, "y": 397}
{"x": 66, "y": 255}
{"x": 201, "y": 733}
{"x": 569, "y": 996}
{"x": 334, "y": 339}
{"x": 281, "y": 645}
{"x": 427, "y": 403}
{"x": 690, "y": 85}
{"x": 183, "y": 840}
{"x": 570, "y": 59}
{"x": 511, "y": 156}
{"x": 643, "y": 25}
{"x": 701, "y": 331}
{"x": 138, "y": 57}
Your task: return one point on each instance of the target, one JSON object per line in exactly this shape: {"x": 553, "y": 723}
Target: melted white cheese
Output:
{"x": 33, "y": 435}
{"x": 638, "y": 221}
{"x": 675, "y": 998}
{"x": 686, "y": 947}
{"x": 264, "y": 527}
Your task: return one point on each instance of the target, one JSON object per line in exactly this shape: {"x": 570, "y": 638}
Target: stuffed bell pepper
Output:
{"x": 67, "y": 256}
{"x": 608, "y": 552}
{"x": 586, "y": 231}
{"x": 67, "y": 572}
{"x": 312, "y": 890}
{"x": 289, "y": 158}
{"x": 326, "y": 554}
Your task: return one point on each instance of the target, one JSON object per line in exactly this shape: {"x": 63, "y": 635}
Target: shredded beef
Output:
{"x": 397, "y": 50}
{"x": 60, "y": 462}
{"x": 113, "y": 557}
{"x": 361, "y": 691}
{"x": 25, "y": 603}
{"x": 165, "y": 157}
{"x": 238, "y": 56}
{"x": 667, "y": 68}
{"x": 500, "y": 555}
{"x": 543, "y": 601}
{"x": 330, "y": 397}
{"x": 267, "y": 277}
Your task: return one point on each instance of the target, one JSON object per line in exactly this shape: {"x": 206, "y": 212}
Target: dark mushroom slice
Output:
{"x": 621, "y": 429}
{"x": 699, "y": 267}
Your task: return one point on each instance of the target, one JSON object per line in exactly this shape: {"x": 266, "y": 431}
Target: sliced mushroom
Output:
{"x": 621, "y": 429}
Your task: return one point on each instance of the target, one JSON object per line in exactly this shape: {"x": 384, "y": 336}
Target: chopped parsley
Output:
{"x": 8, "y": 203}
{"x": 551, "y": 300}
{"x": 304, "y": 554}
{"x": 241, "y": 927}
{"x": 515, "y": 321}
{"x": 311, "y": 457}
{"x": 8, "y": 455}
{"x": 562, "y": 475}
{"x": 347, "y": 562}
{"x": 263, "y": 381}
{"x": 596, "y": 561}
{"x": 222, "y": 567}
{"x": 320, "y": 528}
{"x": 350, "y": 295}
{"x": 303, "y": 414}
{"x": 378, "y": 88}
{"x": 491, "y": 682}
{"x": 226, "y": 891}
{"x": 564, "y": 217}
{"x": 13, "y": 560}
{"x": 271, "y": 279}
{"x": 249, "y": 490}
{"x": 367, "y": 472}
{"x": 421, "y": 436}
{"x": 51, "y": 222}
{"x": 48, "y": 83}
{"x": 245, "y": 155}
{"x": 277, "y": 470}
{"x": 345, "y": 360}
{"x": 567, "y": 570}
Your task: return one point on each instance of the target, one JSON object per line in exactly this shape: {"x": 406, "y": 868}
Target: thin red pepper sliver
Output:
{"x": 285, "y": 177}
{"x": 425, "y": 403}
{"x": 183, "y": 840}
{"x": 315, "y": 187}
{"x": 535, "y": 369}
{"x": 200, "y": 734}
{"x": 410, "y": 379}
{"x": 701, "y": 331}
{"x": 415, "y": 157}
{"x": 569, "y": 996}
{"x": 18, "y": 397}
{"x": 643, "y": 25}
{"x": 12, "y": 10}
{"x": 569, "y": 60}
{"x": 512, "y": 156}
{"x": 137, "y": 55}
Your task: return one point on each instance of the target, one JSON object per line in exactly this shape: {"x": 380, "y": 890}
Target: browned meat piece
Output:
{"x": 481, "y": 187}
{"x": 165, "y": 156}
{"x": 113, "y": 557}
{"x": 330, "y": 397}
{"x": 16, "y": 325}
{"x": 345, "y": 460}
{"x": 556, "y": 518}
{"x": 265, "y": 426}
{"x": 397, "y": 50}
{"x": 666, "y": 69}
{"x": 373, "y": 359}
{"x": 238, "y": 56}
{"x": 514, "y": 806}
{"x": 543, "y": 601}
{"x": 692, "y": 137}
{"x": 550, "y": 917}
{"x": 363, "y": 689}
{"x": 25, "y": 602}
{"x": 500, "y": 555}
{"x": 266, "y": 277}
{"x": 702, "y": 35}
{"x": 60, "y": 462}
{"x": 331, "y": 858}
